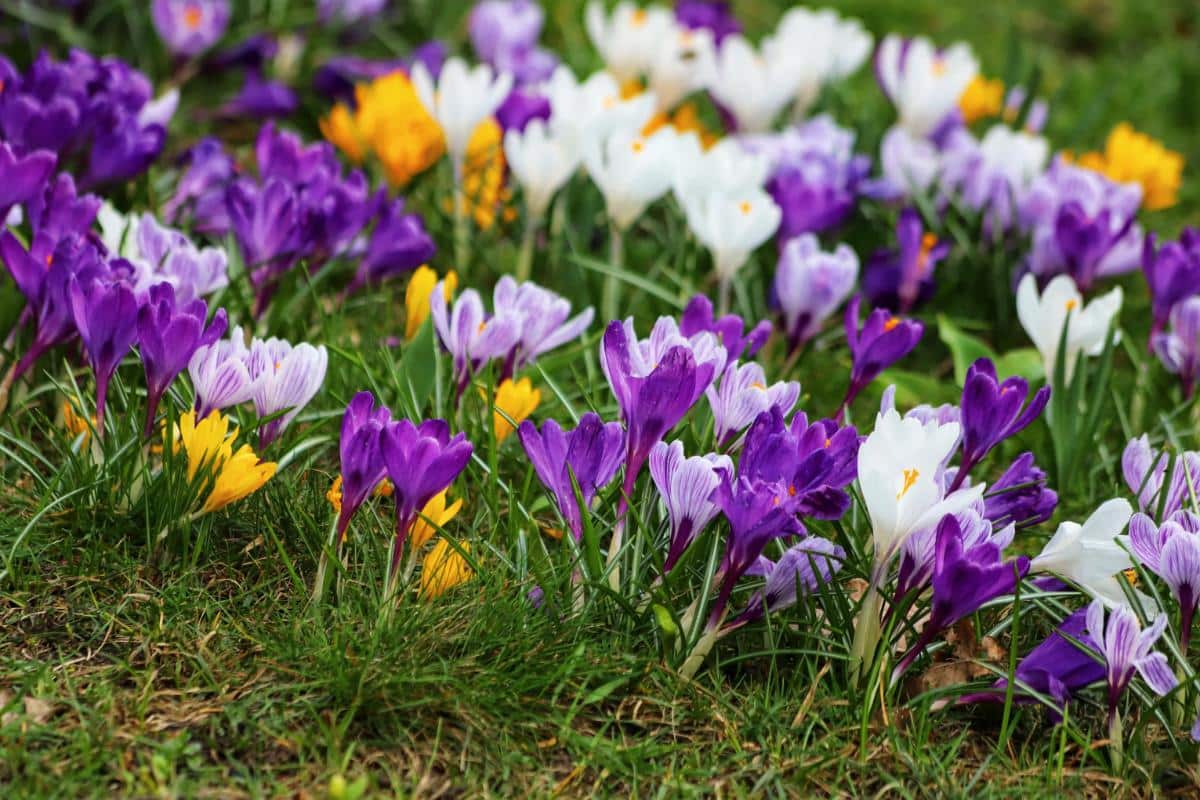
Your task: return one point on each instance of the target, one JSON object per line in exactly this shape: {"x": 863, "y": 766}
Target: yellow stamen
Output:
{"x": 744, "y": 207}
{"x": 639, "y": 17}
{"x": 890, "y": 324}
{"x": 910, "y": 478}
{"x": 1072, "y": 304}
{"x": 939, "y": 66}
{"x": 762, "y": 387}
{"x": 192, "y": 17}
{"x": 638, "y": 145}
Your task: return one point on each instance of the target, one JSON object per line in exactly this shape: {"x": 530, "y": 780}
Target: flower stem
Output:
{"x": 525, "y": 256}
{"x": 695, "y": 659}
{"x": 724, "y": 293}
{"x": 616, "y": 260}
{"x": 1116, "y": 735}
{"x": 866, "y": 632}
{"x": 462, "y": 232}
{"x": 333, "y": 545}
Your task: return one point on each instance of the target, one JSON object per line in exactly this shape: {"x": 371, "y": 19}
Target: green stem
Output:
{"x": 333, "y": 545}
{"x": 612, "y": 283}
{"x": 866, "y": 632}
{"x": 462, "y": 230}
{"x": 724, "y": 293}
{"x": 1116, "y": 740}
{"x": 700, "y": 652}
{"x": 525, "y": 256}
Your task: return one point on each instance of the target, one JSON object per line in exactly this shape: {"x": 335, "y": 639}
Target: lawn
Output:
{"x": 146, "y": 653}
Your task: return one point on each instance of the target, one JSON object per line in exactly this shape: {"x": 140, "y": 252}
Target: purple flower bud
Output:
{"x": 361, "y": 451}
{"x": 711, "y": 15}
{"x": 902, "y": 279}
{"x": 189, "y": 27}
{"x": 810, "y": 284}
{"x": 209, "y": 168}
{"x": 991, "y": 412}
{"x": 260, "y": 98}
{"x": 22, "y": 177}
{"x": 399, "y": 243}
{"x": 591, "y": 453}
{"x": 422, "y": 461}
{"x": 698, "y": 317}
{"x": 686, "y": 486}
{"x": 1020, "y": 497}
{"x": 220, "y": 375}
{"x": 1172, "y": 273}
{"x": 520, "y": 108}
{"x": 168, "y": 336}
{"x": 106, "y": 316}
{"x": 743, "y": 394}
{"x": 882, "y": 341}
{"x": 1172, "y": 552}
{"x": 1178, "y": 348}
{"x": 348, "y": 11}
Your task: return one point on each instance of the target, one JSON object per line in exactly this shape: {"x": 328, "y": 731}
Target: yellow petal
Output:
{"x": 983, "y": 98}
{"x": 434, "y": 515}
{"x": 517, "y": 401}
{"x": 443, "y": 569}
{"x": 241, "y": 475}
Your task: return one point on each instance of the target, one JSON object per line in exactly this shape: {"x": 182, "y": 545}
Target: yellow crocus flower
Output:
{"x": 437, "y": 513}
{"x": 516, "y": 401}
{"x": 209, "y": 444}
{"x": 443, "y": 569}
{"x": 982, "y": 98}
{"x": 416, "y": 297}
{"x": 1133, "y": 157}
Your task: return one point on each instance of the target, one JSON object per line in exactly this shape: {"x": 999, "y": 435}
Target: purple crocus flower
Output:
{"x": 470, "y": 336}
{"x": 189, "y": 27}
{"x": 1144, "y": 471}
{"x": 520, "y": 108}
{"x": 361, "y": 451}
{"x": 698, "y": 317}
{"x": 348, "y": 11}
{"x": 169, "y": 333}
{"x": 1172, "y": 274}
{"x": 709, "y": 15}
{"x": 810, "y": 284}
{"x": 1065, "y": 662}
{"x": 260, "y": 98}
{"x": 919, "y": 551}
{"x": 964, "y": 580}
{"x": 106, "y": 317}
{"x": 1020, "y": 497}
{"x": 265, "y": 220}
{"x": 285, "y": 378}
{"x": 591, "y": 453}
{"x": 803, "y": 567}
{"x": 399, "y": 243}
{"x": 1178, "y": 348}
{"x": 422, "y": 461}
{"x": 815, "y": 175}
{"x": 656, "y": 382}
{"x": 209, "y": 169}
{"x": 58, "y": 213}
{"x": 220, "y": 374}
{"x": 902, "y": 279}
{"x": 252, "y": 53}
{"x": 165, "y": 254}
{"x": 742, "y": 395}
{"x": 1082, "y": 224}
{"x": 22, "y": 176}
{"x": 546, "y": 321}
{"x": 120, "y": 153}
{"x": 1172, "y": 552}
{"x": 1127, "y": 649}
{"x": 992, "y": 412}
{"x": 686, "y": 486}
{"x": 500, "y": 27}
{"x": 882, "y": 341}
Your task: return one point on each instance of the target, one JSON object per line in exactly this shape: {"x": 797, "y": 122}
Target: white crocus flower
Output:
{"x": 725, "y": 167}
{"x": 461, "y": 98}
{"x": 820, "y": 47}
{"x": 1044, "y": 317}
{"x": 685, "y": 62}
{"x": 119, "y": 232}
{"x": 731, "y": 226}
{"x": 583, "y": 114}
{"x": 632, "y": 171}
{"x": 628, "y": 39}
{"x": 1090, "y": 555}
{"x": 924, "y": 83}
{"x": 542, "y": 163}
{"x": 754, "y": 88}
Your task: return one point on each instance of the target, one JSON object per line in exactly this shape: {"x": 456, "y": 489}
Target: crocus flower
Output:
{"x": 810, "y": 284}
{"x": 500, "y": 29}
{"x": 803, "y": 567}
{"x": 460, "y": 99}
{"x": 1172, "y": 552}
{"x": 416, "y": 297}
{"x": 202, "y": 184}
{"x": 882, "y": 341}
{"x": 902, "y": 279}
{"x": 1059, "y": 306}
{"x": 585, "y": 114}
{"x": 435, "y": 514}
{"x": 728, "y": 167}
{"x": 360, "y": 447}
{"x": 470, "y": 336}
{"x": 992, "y": 175}
{"x": 285, "y": 378}
{"x": 443, "y": 568}
{"x": 399, "y": 243}
{"x": 1065, "y": 662}
{"x": 633, "y": 171}
{"x": 220, "y": 375}
{"x": 591, "y": 454}
{"x": 189, "y": 27}
{"x": 1020, "y": 496}
{"x": 698, "y": 317}
{"x": 168, "y": 334}
{"x": 918, "y": 556}
{"x": 964, "y": 580}
{"x": 682, "y": 62}
{"x": 923, "y": 82}
{"x": 514, "y": 402}
{"x": 1172, "y": 273}
{"x": 1178, "y": 348}
{"x": 731, "y": 227}
{"x": 742, "y": 395}
{"x": 1133, "y": 157}
{"x": 260, "y": 98}
{"x": 1128, "y": 650}
{"x": 816, "y": 177}
{"x": 422, "y": 460}
{"x": 1144, "y": 471}
{"x": 686, "y": 486}
{"x": 1082, "y": 225}
{"x": 714, "y": 16}
{"x": 1090, "y": 555}
{"x": 821, "y": 47}
{"x": 992, "y": 412}
{"x": 265, "y": 220}
{"x": 545, "y": 320}
{"x": 656, "y": 381}
{"x": 106, "y": 316}
{"x": 752, "y": 87}
{"x": 542, "y": 163}
{"x": 231, "y": 475}
{"x": 628, "y": 38}
{"x": 22, "y": 176}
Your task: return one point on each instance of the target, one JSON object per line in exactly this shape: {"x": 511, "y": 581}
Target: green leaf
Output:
{"x": 417, "y": 372}
{"x": 915, "y": 388}
{"x": 964, "y": 347}
{"x": 1025, "y": 362}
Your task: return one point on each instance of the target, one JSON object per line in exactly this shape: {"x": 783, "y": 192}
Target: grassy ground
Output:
{"x": 211, "y": 676}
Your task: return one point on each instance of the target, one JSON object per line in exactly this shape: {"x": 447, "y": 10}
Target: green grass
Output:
{"x": 209, "y": 674}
